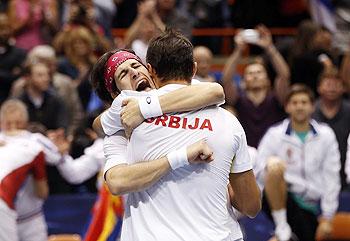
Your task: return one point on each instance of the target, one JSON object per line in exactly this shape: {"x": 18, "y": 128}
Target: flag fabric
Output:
{"x": 322, "y": 12}
{"x": 107, "y": 217}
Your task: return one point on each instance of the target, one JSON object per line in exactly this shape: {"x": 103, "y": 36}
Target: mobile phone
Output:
{"x": 250, "y": 35}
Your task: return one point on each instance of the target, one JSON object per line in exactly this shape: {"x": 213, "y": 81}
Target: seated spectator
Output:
{"x": 43, "y": 104}
{"x": 30, "y": 18}
{"x": 333, "y": 109}
{"x": 258, "y": 105}
{"x": 20, "y": 157}
{"x": 11, "y": 58}
{"x": 302, "y": 170}
{"x": 61, "y": 83}
{"x": 204, "y": 58}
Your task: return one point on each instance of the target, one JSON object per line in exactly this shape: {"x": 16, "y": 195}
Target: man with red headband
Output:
{"x": 189, "y": 202}
{"x": 134, "y": 75}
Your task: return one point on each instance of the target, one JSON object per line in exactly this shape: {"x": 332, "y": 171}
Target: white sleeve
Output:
{"x": 52, "y": 155}
{"x": 114, "y": 148}
{"x": 331, "y": 178}
{"x": 110, "y": 119}
{"x": 79, "y": 170}
{"x": 241, "y": 161}
{"x": 347, "y": 162}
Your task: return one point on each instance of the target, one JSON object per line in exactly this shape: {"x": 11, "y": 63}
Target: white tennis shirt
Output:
{"x": 189, "y": 203}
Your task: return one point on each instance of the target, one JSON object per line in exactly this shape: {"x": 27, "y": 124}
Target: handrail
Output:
{"x": 198, "y": 32}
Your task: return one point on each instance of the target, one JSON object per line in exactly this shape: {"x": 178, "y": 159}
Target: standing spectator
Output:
{"x": 19, "y": 158}
{"x": 204, "y": 58}
{"x": 43, "y": 105}
{"x": 146, "y": 26}
{"x": 173, "y": 18}
{"x": 61, "y": 83}
{"x": 302, "y": 169}
{"x": 11, "y": 58}
{"x": 334, "y": 110}
{"x": 257, "y": 105}
{"x": 30, "y": 18}
{"x": 345, "y": 70}
{"x": 78, "y": 59}
{"x": 77, "y": 14}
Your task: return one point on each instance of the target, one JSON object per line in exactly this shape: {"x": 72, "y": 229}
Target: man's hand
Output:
{"x": 324, "y": 229}
{"x": 199, "y": 152}
{"x": 130, "y": 116}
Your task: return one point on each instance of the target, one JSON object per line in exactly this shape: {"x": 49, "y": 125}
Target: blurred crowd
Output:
{"x": 48, "y": 49}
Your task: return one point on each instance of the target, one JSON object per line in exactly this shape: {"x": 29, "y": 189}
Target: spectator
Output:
{"x": 257, "y": 105}
{"x": 30, "y": 18}
{"x": 79, "y": 14}
{"x": 345, "y": 70}
{"x": 334, "y": 110}
{"x": 43, "y": 105}
{"x": 302, "y": 169}
{"x": 11, "y": 58}
{"x": 61, "y": 83}
{"x": 309, "y": 53}
{"x": 146, "y": 26}
{"x": 204, "y": 58}
{"x": 171, "y": 17}
{"x": 78, "y": 60}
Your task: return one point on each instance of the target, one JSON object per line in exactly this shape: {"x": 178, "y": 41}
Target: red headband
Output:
{"x": 113, "y": 63}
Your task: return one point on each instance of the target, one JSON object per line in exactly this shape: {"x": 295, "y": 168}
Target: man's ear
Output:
{"x": 194, "y": 69}
{"x": 151, "y": 70}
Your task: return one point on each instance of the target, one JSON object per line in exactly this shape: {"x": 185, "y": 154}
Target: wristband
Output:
{"x": 150, "y": 106}
{"x": 178, "y": 158}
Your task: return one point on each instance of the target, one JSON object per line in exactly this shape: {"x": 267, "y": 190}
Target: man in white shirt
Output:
{"x": 183, "y": 202}
{"x": 302, "y": 169}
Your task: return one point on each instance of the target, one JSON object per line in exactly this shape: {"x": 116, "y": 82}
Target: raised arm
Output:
{"x": 281, "y": 83}
{"x": 345, "y": 70}
{"x": 124, "y": 178}
{"x": 231, "y": 90}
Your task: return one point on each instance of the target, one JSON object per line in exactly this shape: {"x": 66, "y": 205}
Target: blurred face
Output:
{"x": 5, "y": 29}
{"x": 204, "y": 60}
{"x": 81, "y": 48}
{"x": 300, "y": 108}
{"x": 255, "y": 76}
{"x": 166, "y": 4}
{"x": 131, "y": 75}
{"x": 331, "y": 88}
{"x": 12, "y": 121}
{"x": 148, "y": 30}
{"x": 39, "y": 78}
{"x": 323, "y": 40}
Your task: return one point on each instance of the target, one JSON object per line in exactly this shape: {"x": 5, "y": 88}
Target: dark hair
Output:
{"x": 97, "y": 76}
{"x": 298, "y": 89}
{"x": 329, "y": 72}
{"x": 171, "y": 55}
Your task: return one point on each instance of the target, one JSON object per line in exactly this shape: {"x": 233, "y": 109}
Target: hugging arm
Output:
{"x": 122, "y": 177}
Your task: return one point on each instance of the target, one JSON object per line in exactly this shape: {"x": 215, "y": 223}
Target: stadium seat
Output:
{"x": 341, "y": 226}
{"x": 64, "y": 237}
